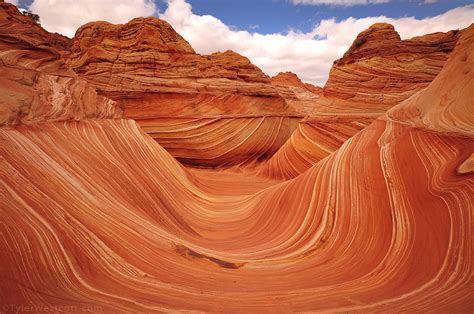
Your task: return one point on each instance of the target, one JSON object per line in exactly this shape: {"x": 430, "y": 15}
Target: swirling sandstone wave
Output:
{"x": 378, "y": 71}
{"x": 382, "y": 224}
{"x": 221, "y": 141}
{"x": 35, "y": 83}
{"x": 314, "y": 139}
{"x": 155, "y": 75}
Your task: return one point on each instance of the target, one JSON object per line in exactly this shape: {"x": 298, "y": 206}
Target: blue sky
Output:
{"x": 273, "y": 16}
{"x": 276, "y": 35}
{"x": 277, "y": 16}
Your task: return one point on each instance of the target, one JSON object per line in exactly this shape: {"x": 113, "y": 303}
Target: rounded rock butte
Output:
{"x": 97, "y": 215}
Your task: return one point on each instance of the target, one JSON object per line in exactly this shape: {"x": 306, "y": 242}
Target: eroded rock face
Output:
{"x": 35, "y": 83}
{"x": 314, "y": 139}
{"x": 380, "y": 70}
{"x": 95, "y": 215}
{"x": 300, "y": 96}
{"x": 141, "y": 63}
{"x": 383, "y": 224}
{"x": 290, "y": 79}
{"x": 183, "y": 99}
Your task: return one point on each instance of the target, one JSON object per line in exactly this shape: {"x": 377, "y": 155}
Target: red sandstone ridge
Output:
{"x": 377, "y": 72}
{"x": 35, "y": 83}
{"x": 380, "y": 70}
{"x": 147, "y": 67}
{"x": 291, "y": 79}
{"x": 208, "y": 111}
{"x": 31, "y": 32}
{"x": 301, "y": 96}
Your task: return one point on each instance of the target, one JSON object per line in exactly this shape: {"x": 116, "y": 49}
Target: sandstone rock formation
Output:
{"x": 380, "y": 70}
{"x": 289, "y": 79}
{"x": 145, "y": 61}
{"x": 179, "y": 96}
{"x": 301, "y": 96}
{"x": 377, "y": 72}
{"x": 95, "y": 215}
{"x": 35, "y": 83}
{"x": 314, "y": 139}
{"x": 222, "y": 141}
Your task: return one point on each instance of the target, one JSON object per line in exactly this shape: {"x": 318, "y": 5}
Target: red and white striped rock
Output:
{"x": 35, "y": 83}
{"x": 95, "y": 215}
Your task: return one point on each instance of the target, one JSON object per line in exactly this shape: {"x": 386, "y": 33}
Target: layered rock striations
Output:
{"x": 141, "y": 63}
{"x": 301, "y": 96}
{"x": 384, "y": 224}
{"x": 314, "y": 139}
{"x": 289, "y": 79}
{"x": 179, "y": 96}
{"x": 35, "y": 83}
{"x": 95, "y": 215}
{"x": 380, "y": 70}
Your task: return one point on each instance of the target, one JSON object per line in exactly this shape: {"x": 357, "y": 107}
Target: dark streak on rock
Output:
{"x": 187, "y": 252}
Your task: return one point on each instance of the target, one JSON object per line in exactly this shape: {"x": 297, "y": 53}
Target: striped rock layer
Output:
{"x": 96, "y": 215}
{"x": 380, "y": 70}
{"x": 148, "y": 68}
{"x": 314, "y": 139}
{"x": 35, "y": 83}
{"x": 299, "y": 95}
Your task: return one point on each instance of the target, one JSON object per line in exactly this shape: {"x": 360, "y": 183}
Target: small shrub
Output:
{"x": 34, "y": 17}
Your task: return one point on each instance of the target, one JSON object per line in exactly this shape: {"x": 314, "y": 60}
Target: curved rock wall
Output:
{"x": 35, "y": 83}
{"x": 95, "y": 215}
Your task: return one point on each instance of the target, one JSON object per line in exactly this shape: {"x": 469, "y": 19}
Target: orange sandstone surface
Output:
{"x": 377, "y": 72}
{"x": 299, "y": 95}
{"x": 96, "y": 214}
{"x": 148, "y": 68}
{"x": 380, "y": 70}
{"x": 35, "y": 83}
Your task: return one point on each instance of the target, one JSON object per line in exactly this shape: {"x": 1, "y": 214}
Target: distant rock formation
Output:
{"x": 300, "y": 96}
{"x": 380, "y": 70}
{"x": 148, "y": 68}
{"x": 208, "y": 111}
{"x": 290, "y": 79}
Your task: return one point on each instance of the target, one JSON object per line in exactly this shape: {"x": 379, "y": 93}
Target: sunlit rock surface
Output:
{"x": 377, "y": 72}
{"x": 148, "y": 68}
{"x": 380, "y": 70}
{"x": 301, "y": 96}
{"x": 95, "y": 214}
{"x": 35, "y": 83}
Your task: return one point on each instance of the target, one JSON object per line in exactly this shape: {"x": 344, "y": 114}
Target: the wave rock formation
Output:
{"x": 375, "y": 215}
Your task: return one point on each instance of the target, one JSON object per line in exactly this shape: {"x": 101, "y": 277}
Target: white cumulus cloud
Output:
{"x": 310, "y": 55}
{"x": 65, "y": 16}
{"x": 346, "y": 3}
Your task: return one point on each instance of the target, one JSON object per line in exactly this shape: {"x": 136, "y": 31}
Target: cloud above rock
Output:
{"x": 66, "y": 16}
{"x": 310, "y": 55}
{"x": 345, "y": 3}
